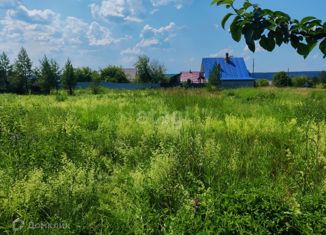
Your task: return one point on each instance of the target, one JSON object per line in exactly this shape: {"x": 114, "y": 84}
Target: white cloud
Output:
{"x": 100, "y": 36}
{"x": 137, "y": 50}
{"x": 127, "y": 10}
{"x": 32, "y": 16}
{"x": 177, "y": 3}
{"x": 130, "y": 10}
{"x": 164, "y": 29}
{"x": 47, "y": 32}
{"x": 153, "y": 37}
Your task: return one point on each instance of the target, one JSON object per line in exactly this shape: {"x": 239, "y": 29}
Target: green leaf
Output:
{"x": 279, "y": 38}
{"x": 222, "y": 2}
{"x": 267, "y": 43}
{"x": 306, "y": 19}
{"x": 322, "y": 47}
{"x": 225, "y": 19}
{"x": 247, "y": 4}
{"x": 303, "y": 49}
{"x": 251, "y": 45}
{"x": 236, "y": 29}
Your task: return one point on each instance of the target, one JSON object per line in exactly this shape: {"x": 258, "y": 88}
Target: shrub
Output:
{"x": 302, "y": 81}
{"x": 281, "y": 79}
{"x": 262, "y": 82}
{"x": 61, "y": 96}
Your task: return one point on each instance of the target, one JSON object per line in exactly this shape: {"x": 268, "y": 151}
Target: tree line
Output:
{"x": 22, "y": 78}
{"x": 282, "y": 79}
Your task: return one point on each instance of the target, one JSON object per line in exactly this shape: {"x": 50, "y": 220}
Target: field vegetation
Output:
{"x": 176, "y": 161}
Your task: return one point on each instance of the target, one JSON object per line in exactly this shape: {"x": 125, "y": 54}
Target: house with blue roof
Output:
{"x": 234, "y": 72}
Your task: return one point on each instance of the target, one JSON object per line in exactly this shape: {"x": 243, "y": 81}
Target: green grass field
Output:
{"x": 247, "y": 161}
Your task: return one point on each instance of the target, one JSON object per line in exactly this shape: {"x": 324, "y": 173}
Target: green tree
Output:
{"x": 113, "y": 73}
{"x": 281, "y": 79}
{"x": 84, "y": 74}
{"x": 68, "y": 77}
{"x": 157, "y": 72}
{"x": 96, "y": 83}
{"x": 5, "y": 70}
{"x": 149, "y": 71}
{"x": 262, "y": 82}
{"x": 47, "y": 75}
{"x": 215, "y": 76}
{"x": 271, "y": 28}
{"x": 22, "y": 73}
{"x": 143, "y": 69}
{"x": 302, "y": 81}
{"x": 322, "y": 77}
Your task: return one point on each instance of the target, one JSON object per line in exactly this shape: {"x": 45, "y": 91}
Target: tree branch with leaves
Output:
{"x": 273, "y": 28}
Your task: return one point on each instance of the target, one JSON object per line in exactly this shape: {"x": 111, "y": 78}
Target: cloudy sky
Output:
{"x": 178, "y": 33}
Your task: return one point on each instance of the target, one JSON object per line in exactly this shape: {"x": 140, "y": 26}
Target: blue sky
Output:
{"x": 178, "y": 33}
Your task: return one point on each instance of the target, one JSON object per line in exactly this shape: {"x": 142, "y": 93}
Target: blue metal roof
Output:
{"x": 234, "y": 69}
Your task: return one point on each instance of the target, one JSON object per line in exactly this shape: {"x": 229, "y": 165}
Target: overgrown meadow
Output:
{"x": 246, "y": 161}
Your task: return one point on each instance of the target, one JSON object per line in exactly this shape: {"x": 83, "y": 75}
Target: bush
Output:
{"x": 302, "y": 81}
{"x": 114, "y": 74}
{"x": 281, "y": 79}
{"x": 61, "y": 96}
{"x": 262, "y": 82}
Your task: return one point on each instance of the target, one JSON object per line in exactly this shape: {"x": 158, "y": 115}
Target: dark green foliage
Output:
{"x": 271, "y": 28}
{"x": 215, "y": 76}
{"x": 22, "y": 73}
{"x": 48, "y": 75}
{"x": 5, "y": 71}
{"x": 262, "y": 83}
{"x": 149, "y": 72}
{"x": 322, "y": 77}
{"x": 113, "y": 74}
{"x": 302, "y": 81}
{"x": 281, "y": 79}
{"x": 68, "y": 77}
{"x": 96, "y": 80}
{"x": 84, "y": 74}
{"x": 158, "y": 72}
{"x": 143, "y": 69}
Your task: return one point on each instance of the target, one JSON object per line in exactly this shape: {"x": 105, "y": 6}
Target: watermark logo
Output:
{"x": 18, "y": 224}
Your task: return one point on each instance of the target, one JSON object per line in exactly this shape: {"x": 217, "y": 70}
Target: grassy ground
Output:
{"x": 247, "y": 161}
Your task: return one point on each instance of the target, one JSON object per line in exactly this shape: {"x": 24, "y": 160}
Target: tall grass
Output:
{"x": 165, "y": 161}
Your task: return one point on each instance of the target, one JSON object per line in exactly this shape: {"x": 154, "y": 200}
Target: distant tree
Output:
{"x": 215, "y": 76}
{"x": 322, "y": 77}
{"x": 22, "y": 73}
{"x": 113, "y": 73}
{"x": 143, "y": 69}
{"x": 281, "y": 79}
{"x": 5, "y": 70}
{"x": 96, "y": 81}
{"x": 262, "y": 82}
{"x": 68, "y": 77}
{"x": 157, "y": 71}
{"x": 83, "y": 74}
{"x": 302, "y": 81}
{"x": 56, "y": 71}
{"x": 47, "y": 75}
{"x": 273, "y": 28}
{"x": 150, "y": 71}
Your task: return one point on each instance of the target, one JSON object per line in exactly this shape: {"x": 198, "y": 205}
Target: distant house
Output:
{"x": 131, "y": 73}
{"x": 234, "y": 72}
{"x": 192, "y": 77}
{"x": 173, "y": 79}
